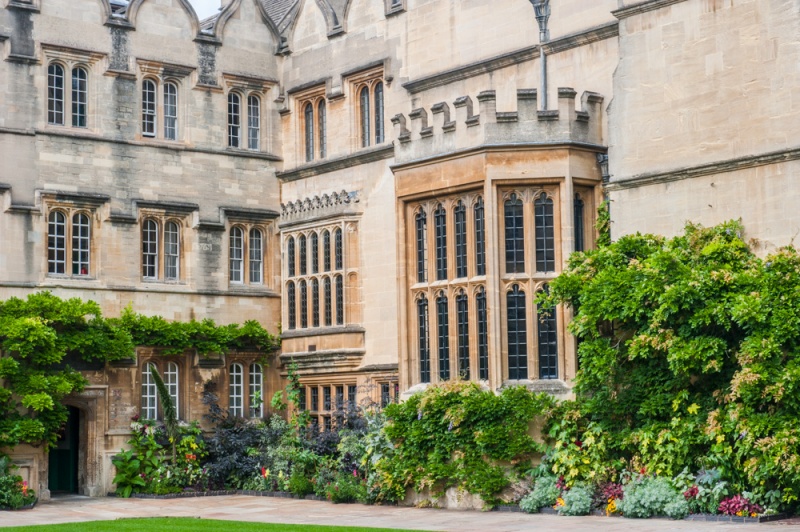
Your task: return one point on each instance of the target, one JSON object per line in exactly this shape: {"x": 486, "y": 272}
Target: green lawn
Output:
{"x": 181, "y": 524}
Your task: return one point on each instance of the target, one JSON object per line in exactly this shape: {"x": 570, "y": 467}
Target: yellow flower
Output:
{"x": 559, "y": 503}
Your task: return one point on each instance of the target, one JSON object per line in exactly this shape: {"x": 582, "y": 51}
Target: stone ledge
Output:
{"x": 643, "y": 7}
{"x": 367, "y": 155}
{"x": 582, "y": 38}
{"x": 322, "y": 331}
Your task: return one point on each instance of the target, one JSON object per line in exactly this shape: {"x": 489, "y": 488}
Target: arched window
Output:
{"x": 422, "y": 246}
{"x": 236, "y": 390}
{"x": 515, "y": 235}
{"x": 323, "y": 129}
{"x": 57, "y": 243}
{"x": 55, "y": 94}
{"x": 545, "y": 234}
{"x": 149, "y": 108}
{"x": 480, "y": 238}
{"x": 517, "y": 334}
{"x": 326, "y": 250}
{"x": 547, "y": 342}
{"x": 337, "y": 234}
{"x": 290, "y": 256}
{"x": 339, "y": 300}
{"x": 303, "y": 305}
{"x": 460, "y": 221}
{"x": 170, "y": 111}
{"x": 256, "y": 257}
{"x": 301, "y": 243}
{"x": 150, "y": 249}
{"x": 236, "y": 254}
{"x": 365, "y": 117}
{"x": 256, "y": 391}
{"x": 578, "y": 215}
{"x": 440, "y": 224}
{"x": 172, "y": 254}
{"x": 423, "y": 334}
{"x": 149, "y": 393}
{"x": 81, "y": 241}
{"x": 292, "y": 304}
{"x": 326, "y": 288}
{"x": 483, "y": 336}
{"x": 308, "y": 118}
{"x": 234, "y": 120}
{"x": 171, "y": 382}
{"x": 80, "y": 93}
{"x": 314, "y": 253}
{"x": 443, "y": 324}
{"x": 253, "y": 122}
{"x": 462, "y": 322}
{"x": 379, "y": 113}
{"x": 315, "y": 302}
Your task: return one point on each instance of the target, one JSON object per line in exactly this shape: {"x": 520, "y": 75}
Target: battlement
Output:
{"x": 428, "y": 133}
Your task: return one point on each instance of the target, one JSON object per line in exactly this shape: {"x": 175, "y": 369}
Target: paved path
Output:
{"x": 274, "y": 510}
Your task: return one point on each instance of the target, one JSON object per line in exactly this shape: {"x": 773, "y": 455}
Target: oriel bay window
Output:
{"x": 315, "y": 295}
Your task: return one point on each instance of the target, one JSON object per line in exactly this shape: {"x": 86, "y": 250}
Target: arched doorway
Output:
{"x": 63, "y": 461}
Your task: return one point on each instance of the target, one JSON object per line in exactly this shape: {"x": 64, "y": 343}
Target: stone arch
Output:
{"x": 135, "y": 5}
{"x": 93, "y": 462}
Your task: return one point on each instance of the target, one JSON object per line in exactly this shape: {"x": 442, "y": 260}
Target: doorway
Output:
{"x": 63, "y": 459}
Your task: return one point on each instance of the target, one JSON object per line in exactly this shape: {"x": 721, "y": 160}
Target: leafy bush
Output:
{"x": 14, "y": 492}
{"x": 739, "y": 505}
{"x": 677, "y": 509}
{"x": 648, "y": 496}
{"x": 456, "y": 435}
{"x": 346, "y": 487}
{"x": 577, "y": 501}
{"x": 545, "y": 493}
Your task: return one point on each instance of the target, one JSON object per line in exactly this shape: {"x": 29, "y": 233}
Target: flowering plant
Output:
{"x": 740, "y": 506}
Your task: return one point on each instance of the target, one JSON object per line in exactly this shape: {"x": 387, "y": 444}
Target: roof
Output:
{"x": 278, "y": 9}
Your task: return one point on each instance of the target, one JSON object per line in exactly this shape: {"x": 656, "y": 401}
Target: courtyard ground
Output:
{"x": 274, "y": 510}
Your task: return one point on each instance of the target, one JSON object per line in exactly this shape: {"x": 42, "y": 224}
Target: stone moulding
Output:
{"x": 323, "y": 331}
{"x": 582, "y": 38}
{"x": 643, "y": 7}
{"x": 336, "y": 204}
{"x": 718, "y": 167}
{"x": 348, "y": 161}
{"x": 473, "y": 69}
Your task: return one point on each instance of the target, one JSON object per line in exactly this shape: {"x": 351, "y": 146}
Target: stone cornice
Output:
{"x": 582, "y": 38}
{"x": 718, "y": 167}
{"x": 242, "y": 214}
{"x": 327, "y": 361}
{"x": 516, "y": 146}
{"x": 379, "y": 368}
{"x": 472, "y": 69}
{"x": 84, "y": 199}
{"x": 323, "y": 331}
{"x": 171, "y": 208}
{"x": 643, "y": 7}
{"x": 336, "y": 204}
{"x": 364, "y": 156}
{"x": 150, "y": 288}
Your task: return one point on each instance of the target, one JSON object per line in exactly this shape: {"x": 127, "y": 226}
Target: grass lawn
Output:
{"x": 181, "y": 524}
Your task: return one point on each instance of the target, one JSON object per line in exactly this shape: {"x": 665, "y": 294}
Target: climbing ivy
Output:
{"x": 42, "y": 334}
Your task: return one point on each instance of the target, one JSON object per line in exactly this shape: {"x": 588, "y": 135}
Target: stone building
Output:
{"x": 387, "y": 183}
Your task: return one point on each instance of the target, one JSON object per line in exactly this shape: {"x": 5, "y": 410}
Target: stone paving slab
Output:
{"x": 295, "y": 511}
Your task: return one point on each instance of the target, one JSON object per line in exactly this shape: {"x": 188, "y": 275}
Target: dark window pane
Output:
{"x": 462, "y": 317}
{"x": 460, "y": 215}
{"x": 290, "y": 256}
{"x": 365, "y": 120}
{"x": 480, "y": 238}
{"x": 337, "y": 236}
{"x": 314, "y": 399}
{"x": 548, "y": 343}
{"x": 442, "y": 318}
{"x": 378, "y": 113}
{"x": 323, "y": 129}
{"x": 483, "y": 336}
{"x": 301, "y": 243}
{"x": 303, "y": 305}
{"x": 440, "y": 223}
{"x": 515, "y": 235}
{"x": 422, "y": 247}
{"x": 315, "y": 303}
{"x": 545, "y": 235}
{"x": 308, "y": 118}
{"x": 423, "y": 334}
{"x": 326, "y": 288}
{"x": 292, "y": 304}
{"x": 326, "y": 250}
{"x": 517, "y": 335}
{"x": 339, "y": 300}
{"x": 314, "y": 253}
{"x": 579, "y": 236}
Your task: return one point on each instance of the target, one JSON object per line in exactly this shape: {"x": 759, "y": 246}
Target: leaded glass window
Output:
{"x": 292, "y": 304}
{"x": 236, "y": 254}
{"x": 462, "y": 322}
{"x": 301, "y": 243}
{"x": 579, "y": 232}
{"x": 55, "y": 94}
{"x": 170, "y": 111}
{"x": 253, "y": 122}
{"x": 547, "y": 342}
{"x": 545, "y": 234}
{"x": 326, "y": 250}
{"x": 326, "y": 288}
{"x": 57, "y": 243}
{"x": 339, "y": 300}
{"x": 80, "y": 95}
{"x": 365, "y": 117}
{"x": 483, "y": 335}
{"x": 150, "y": 249}
{"x": 303, "y": 305}
{"x": 81, "y": 241}
{"x": 379, "y": 113}
{"x": 423, "y": 334}
{"x": 236, "y": 390}
{"x": 337, "y": 233}
{"x": 421, "y": 223}
{"x": 460, "y": 219}
{"x": 440, "y": 224}
{"x": 315, "y": 302}
{"x": 480, "y": 238}
{"x": 256, "y": 249}
{"x": 149, "y": 108}
{"x": 308, "y": 118}
{"x": 314, "y": 238}
{"x": 515, "y": 235}
{"x": 234, "y": 120}
{"x": 323, "y": 129}
{"x": 517, "y": 334}
{"x": 290, "y": 256}
{"x": 443, "y": 324}
{"x": 172, "y": 256}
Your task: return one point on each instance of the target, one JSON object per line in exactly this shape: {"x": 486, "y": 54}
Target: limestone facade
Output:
{"x": 386, "y": 183}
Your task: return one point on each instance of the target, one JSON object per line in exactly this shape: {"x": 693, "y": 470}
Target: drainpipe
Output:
{"x": 542, "y": 10}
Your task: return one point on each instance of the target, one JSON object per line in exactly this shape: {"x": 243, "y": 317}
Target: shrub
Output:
{"x": 677, "y": 509}
{"x": 739, "y": 505}
{"x": 299, "y": 484}
{"x": 577, "y": 501}
{"x": 346, "y": 488}
{"x": 14, "y": 492}
{"x": 648, "y": 496}
{"x": 544, "y": 493}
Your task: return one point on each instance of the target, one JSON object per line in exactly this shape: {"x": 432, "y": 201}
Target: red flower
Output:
{"x": 578, "y": 443}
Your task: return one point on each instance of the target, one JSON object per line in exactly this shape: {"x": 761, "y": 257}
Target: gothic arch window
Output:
{"x": 327, "y": 294}
{"x": 339, "y": 300}
{"x": 170, "y": 111}
{"x": 460, "y": 222}
{"x": 315, "y": 302}
{"x": 55, "y": 94}
{"x": 337, "y": 237}
{"x": 149, "y": 107}
{"x": 378, "y": 94}
{"x": 149, "y": 393}
{"x": 440, "y": 227}
{"x": 303, "y": 305}
{"x": 308, "y": 117}
{"x": 462, "y": 322}
{"x": 150, "y": 249}
{"x": 545, "y": 234}
{"x": 322, "y": 129}
{"x": 236, "y": 254}
{"x": 547, "y": 340}
{"x": 421, "y": 228}
{"x": 301, "y": 243}
{"x": 517, "y": 334}
{"x": 290, "y": 256}
{"x": 292, "y": 305}
{"x": 234, "y": 119}
{"x": 480, "y": 237}
{"x": 515, "y": 235}
{"x": 256, "y": 390}
{"x": 580, "y": 244}
{"x": 443, "y": 344}
{"x": 253, "y": 122}
{"x": 314, "y": 238}
{"x": 80, "y": 96}
{"x": 365, "y": 116}
{"x": 326, "y": 250}
{"x": 370, "y": 112}
{"x": 423, "y": 338}
{"x": 236, "y": 390}
{"x": 483, "y": 335}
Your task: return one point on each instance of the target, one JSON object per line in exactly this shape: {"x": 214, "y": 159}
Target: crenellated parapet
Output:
{"x": 465, "y": 124}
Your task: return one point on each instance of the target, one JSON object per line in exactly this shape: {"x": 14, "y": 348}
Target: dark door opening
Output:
{"x": 63, "y": 460}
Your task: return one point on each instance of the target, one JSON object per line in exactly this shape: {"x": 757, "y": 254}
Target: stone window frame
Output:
{"x": 161, "y": 219}
{"x": 321, "y": 415}
{"x": 246, "y": 88}
{"x": 162, "y": 364}
{"x": 247, "y": 228}
{"x": 69, "y": 211}
{"x": 394, "y": 7}
{"x": 312, "y": 136}
{"x": 161, "y": 75}
{"x": 71, "y": 59}
{"x": 528, "y": 196}
{"x": 337, "y": 273}
{"x": 249, "y": 411}
{"x": 588, "y": 197}
{"x": 368, "y": 80}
